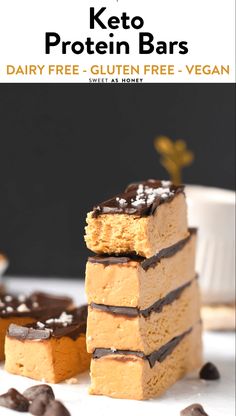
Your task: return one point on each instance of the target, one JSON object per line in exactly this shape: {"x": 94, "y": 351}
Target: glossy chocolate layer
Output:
{"x": 110, "y": 260}
{"x": 145, "y": 263}
{"x": 134, "y": 312}
{"x": 140, "y": 199}
{"x": 158, "y": 355}
{"x": 70, "y": 324}
{"x": 38, "y": 305}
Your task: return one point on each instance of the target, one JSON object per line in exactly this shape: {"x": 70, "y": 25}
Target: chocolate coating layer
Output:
{"x": 52, "y": 328}
{"x": 124, "y": 203}
{"x": 158, "y": 355}
{"x": 110, "y": 260}
{"x": 38, "y": 305}
{"x": 155, "y": 307}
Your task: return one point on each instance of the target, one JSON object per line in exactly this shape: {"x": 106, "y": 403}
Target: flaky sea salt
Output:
{"x": 165, "y": 184}
{"x": 51, "y": 321}
{"x": 140, "y": 189}
{"x": 121, "y": 201}
{"x": 138, "y": 202}
{"x": 66, "y": 318}
{"x": 40, "y": 325}
{"x": 160, "y": 191}
{"x": 63, "y": 319}
{"x": 22, "y": 308}
{"x": 147, "y": 194}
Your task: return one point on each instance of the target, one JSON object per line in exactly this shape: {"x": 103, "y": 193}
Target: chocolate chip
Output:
{"x": 39, "y": 404}
{"x": 194, "y": 409}
{"x": 56, "y": 408}
{"x": 14, "y": 400}
{"x": 209, "y": 372}
{"x": 37, "y": 408}
{"x": 32, "y": 392}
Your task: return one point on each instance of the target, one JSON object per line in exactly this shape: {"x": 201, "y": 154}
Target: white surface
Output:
{"x": 212, "y": 210}
{"x": 217, "y": 397}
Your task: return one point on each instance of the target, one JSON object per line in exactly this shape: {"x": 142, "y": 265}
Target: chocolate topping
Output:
{"x": 140, "y": 199}
{"x": 155, "y": 307}
{"x": 158, "y": 355}
{"x": 194, "y": 409}
{"x": 38, "y": 305}
{"x": 65, "y": 325}
{"x": 14, "y": 400}
{"x": 145, "y": 263}
{"x": 109, "y": 260}
{"x": 32, "y": 392}
{"x": 209, "y": 372}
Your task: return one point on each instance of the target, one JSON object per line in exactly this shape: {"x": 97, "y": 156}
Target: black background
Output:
{"x": 65, "y": 148}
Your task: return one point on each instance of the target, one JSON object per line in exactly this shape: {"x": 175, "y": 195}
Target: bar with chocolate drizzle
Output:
{"x": 68, "y": 324}
{"x": 139, "y": 199}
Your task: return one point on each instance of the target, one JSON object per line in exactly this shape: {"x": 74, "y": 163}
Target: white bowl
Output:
{"x": 212, "y": 210}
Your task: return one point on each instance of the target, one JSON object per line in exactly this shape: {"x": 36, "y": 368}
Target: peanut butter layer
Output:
{"x": 126, "y": 230}
{"x": 146, "y": 334}
{"x": 127, "y": 283}
{"x": 132, "y": 377}
{"x": 59, "y": 342}
{"x": 52, "y": 360}
{"x": 4, "y": 324}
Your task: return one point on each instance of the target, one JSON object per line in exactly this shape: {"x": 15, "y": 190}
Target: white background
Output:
{"x": 207, "y": 26}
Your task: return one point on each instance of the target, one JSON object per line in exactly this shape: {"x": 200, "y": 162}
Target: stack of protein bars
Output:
{"x": 144, "y": 328}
